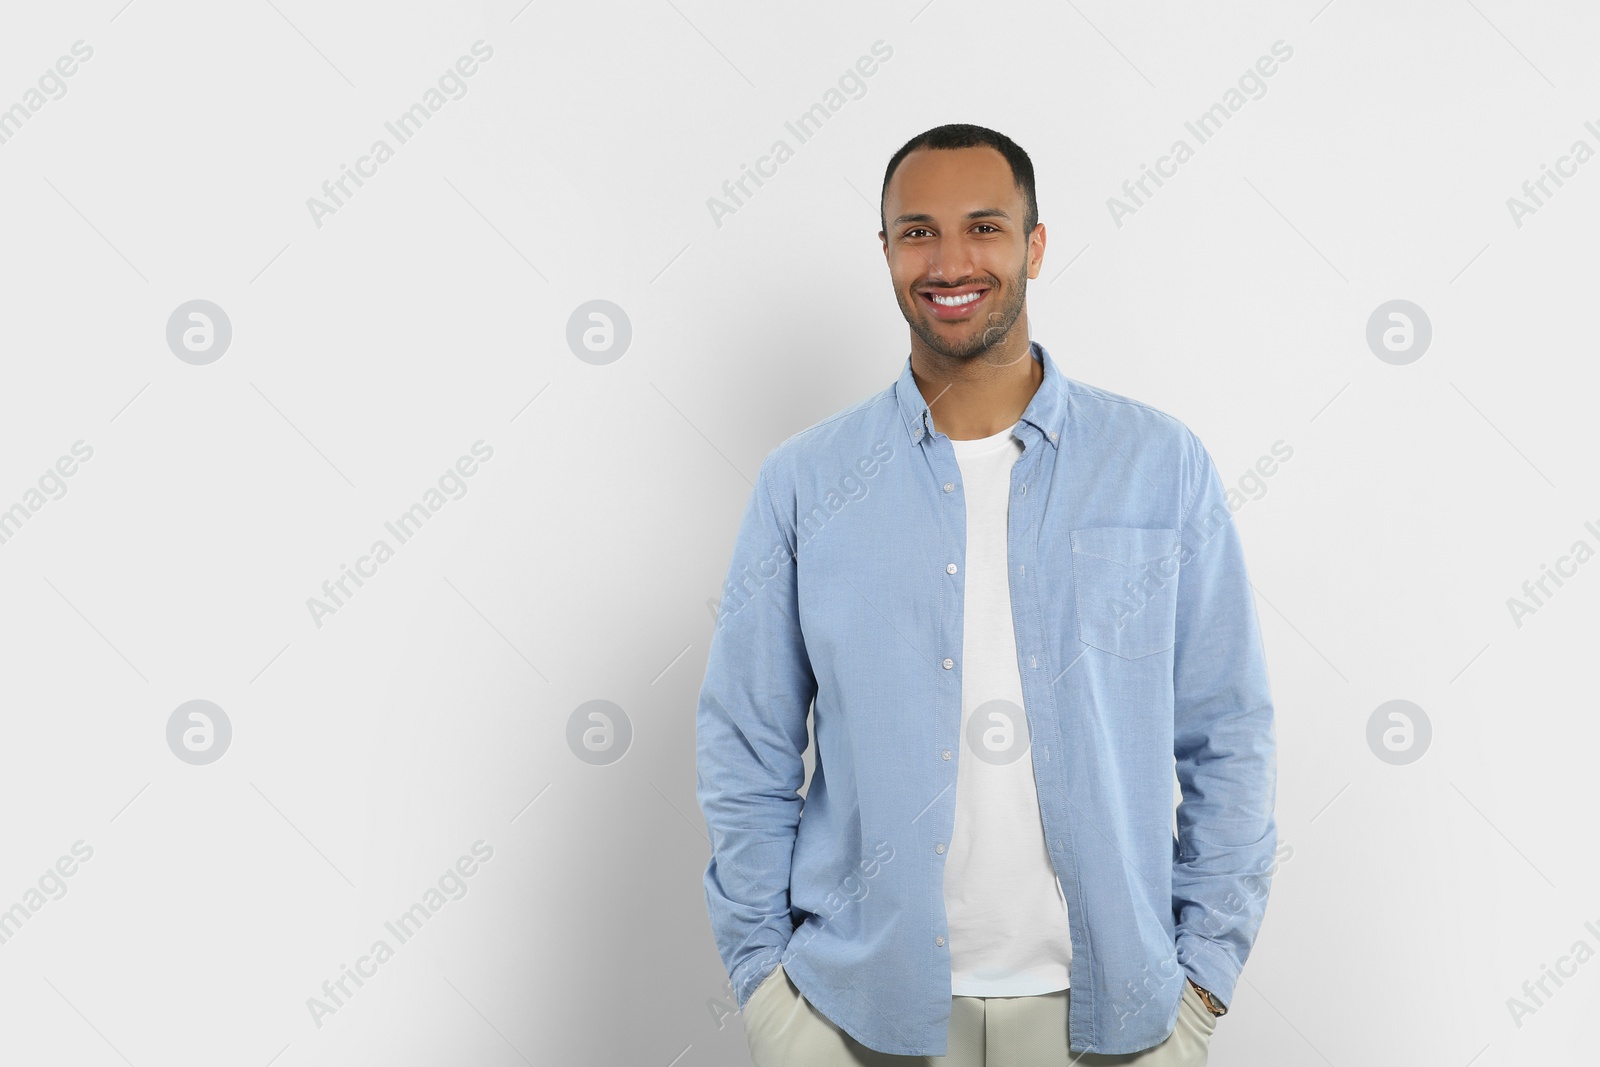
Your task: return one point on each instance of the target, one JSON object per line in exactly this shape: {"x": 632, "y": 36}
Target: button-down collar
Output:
{"x": 1046, "y": 410}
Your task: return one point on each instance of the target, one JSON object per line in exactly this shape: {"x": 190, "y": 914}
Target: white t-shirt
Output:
{"x": 1007, "y": 915}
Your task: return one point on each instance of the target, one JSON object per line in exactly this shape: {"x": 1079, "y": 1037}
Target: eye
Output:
{"x": 988, "y": 225}
{"x": 916, "y": 230}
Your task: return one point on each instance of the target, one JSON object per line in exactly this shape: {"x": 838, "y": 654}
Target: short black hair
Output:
{"x": 963, "y": 135}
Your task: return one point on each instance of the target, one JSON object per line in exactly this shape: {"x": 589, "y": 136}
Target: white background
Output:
{"x": 431, "y": 710}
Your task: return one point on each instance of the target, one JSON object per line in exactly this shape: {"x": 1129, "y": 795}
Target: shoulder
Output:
{"x": 1102, "y": 406}
{"x": 1117, "y": 428}
{"x": 1111, "y": 420}
{"x": 868, "y": 431}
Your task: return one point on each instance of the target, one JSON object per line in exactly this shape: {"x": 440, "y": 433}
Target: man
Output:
{"x": 1013, "y": 604}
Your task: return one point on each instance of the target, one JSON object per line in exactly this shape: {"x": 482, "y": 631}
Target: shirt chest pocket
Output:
{"x": 1126, "y": 581}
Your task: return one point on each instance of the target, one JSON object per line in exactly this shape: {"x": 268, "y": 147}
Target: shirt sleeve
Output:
{"x": 1223, "y": 746}
{"x": 750, "y": 740}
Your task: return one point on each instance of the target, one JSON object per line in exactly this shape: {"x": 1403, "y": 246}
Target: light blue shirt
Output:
{"x": 1140, "y": 654}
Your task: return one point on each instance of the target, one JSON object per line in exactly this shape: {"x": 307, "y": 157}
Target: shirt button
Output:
{"x": 947, "y": 753}
{"x": 1052, "y": 435}
{"x": 950, "y": 568}
{"x": 939, "y": 848}
{"x": 1024, "y": 488}
{"x": 1033, "y": 661}
{"x": 949, "y": 663}
{"x": 949, "y": 487}
{"x": 939, "y": 941}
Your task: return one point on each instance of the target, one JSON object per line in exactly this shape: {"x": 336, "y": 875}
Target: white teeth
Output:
{"x": 955, "y": 301}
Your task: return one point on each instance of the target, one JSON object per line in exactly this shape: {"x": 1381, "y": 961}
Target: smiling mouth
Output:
{"x": 953, "y": 303}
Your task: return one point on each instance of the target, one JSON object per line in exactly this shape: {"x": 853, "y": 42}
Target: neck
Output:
{"x": 982, "y": 394}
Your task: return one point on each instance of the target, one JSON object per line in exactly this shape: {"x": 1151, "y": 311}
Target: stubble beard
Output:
{"x": 968, "y": 346}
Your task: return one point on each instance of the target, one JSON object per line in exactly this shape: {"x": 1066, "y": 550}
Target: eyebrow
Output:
{"x": 981, "y": 213}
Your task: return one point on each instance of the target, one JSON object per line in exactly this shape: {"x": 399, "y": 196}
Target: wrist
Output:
{"x": 1213, "y": 1005}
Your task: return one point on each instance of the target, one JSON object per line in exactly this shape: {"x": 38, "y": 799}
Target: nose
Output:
{"x": 949, "y": 258}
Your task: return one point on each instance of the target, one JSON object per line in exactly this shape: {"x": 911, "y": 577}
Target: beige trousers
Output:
{"x": 784, "y": 1030}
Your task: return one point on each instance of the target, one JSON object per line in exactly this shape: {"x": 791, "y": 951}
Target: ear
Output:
{"x": 1036, "y": 250}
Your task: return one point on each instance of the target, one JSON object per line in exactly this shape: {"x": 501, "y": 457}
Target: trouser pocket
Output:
{"x": 1198, "y": 1011}
{"x": 764, "y": 1013}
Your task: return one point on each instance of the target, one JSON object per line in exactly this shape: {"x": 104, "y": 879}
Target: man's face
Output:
{"x": 954, "y": 220}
